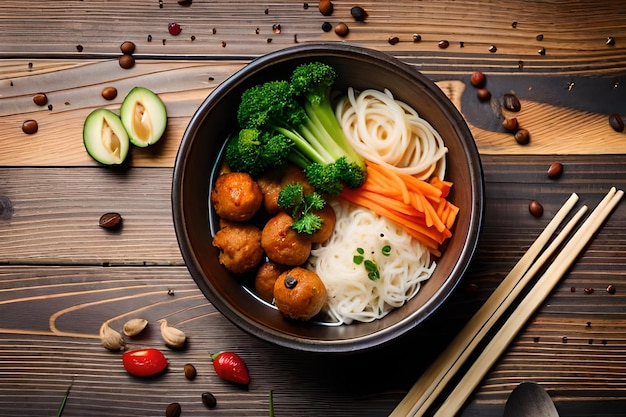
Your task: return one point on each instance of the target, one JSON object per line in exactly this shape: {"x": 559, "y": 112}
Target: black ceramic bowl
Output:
{"x": 199, "y": 154}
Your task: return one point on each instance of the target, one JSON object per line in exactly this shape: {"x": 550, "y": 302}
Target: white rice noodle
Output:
{"x": 352, "y": 295}
{"x": 391, "y": 133}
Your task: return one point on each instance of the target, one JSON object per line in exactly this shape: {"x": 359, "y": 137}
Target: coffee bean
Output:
{"x": 358, "y": 13}
{"x": 110, "y": 220}
{"x": 209, "y": 400}
{"x": 542, "y": 51}
{"x": 417, "y": 37}
{"x": 173, "y": 410}
{"x": 522, "y": 136}
{"x": 616, "y": 122}
{"x": 109, "y": 93}
{"x": 393, "y": 40}
{"x": 511, "y": 102}
{"x": 610, "y": 41}
{"x": 341, "y": 29}
{"x": 477, "y": 79}
{"x": 40, "y": 99}
{"x": 483, "y": 94}
{"x": 443, "y": 44}
{"x": 493, "y": 49}
{"x": 555, "y": 170}
{"x": 127, "y": 47}
{"x": 510, "y": 123}
{"x": 540, "y": 37}
{"x": 127, "y": 61}
{"x": 30, "y": 126}
{"x": 535, "y": 208}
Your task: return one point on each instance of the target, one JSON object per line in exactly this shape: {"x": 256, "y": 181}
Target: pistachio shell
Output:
{"x": 172, "y": 336}
{"x": 134, "y": 326}
{"x": 111, "y": 339}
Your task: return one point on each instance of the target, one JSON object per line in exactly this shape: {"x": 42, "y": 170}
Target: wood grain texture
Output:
{"x": 74, "y": 91}
{"x": 574, "y": 345}
{"x": 61, "y": 275}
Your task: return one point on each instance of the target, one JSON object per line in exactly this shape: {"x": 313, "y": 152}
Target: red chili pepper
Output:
{"x": 144, "y": 362}
{"x": 231, "y": 367}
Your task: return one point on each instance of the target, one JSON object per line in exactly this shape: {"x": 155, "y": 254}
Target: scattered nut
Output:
{"x": 342, "y": 29}
{"x": 40, "y": 99}
{"x": 555, "y": 170}
{"x": 483, "y": 94}
{"x": 393, "y": 40}
{"x": 358, "y": 13}
{"x": 510, "y": 123}
{"x": 209, "y": 400}
{"x": 30, "y": 126}
{"x": 326, "y": 7}
{"x": 111, "y": 339}
{"x": 477, "y": 79}
{"x": 511, "y": 102}
{"x": 134, "y": 326}
{"x": 172, "y": 336}
{"x": 190, "y": 371}
{"x": 616, "y": 122}
{"x": 522, "y": 136}
{"x": 535, "y": 208}
{"x": 110, "y": 220}
{"x": 127, "y": 47}
{"x": 173, "y": 410}
{"x": 127, "y": 61}
{"x": 109, "y": 93}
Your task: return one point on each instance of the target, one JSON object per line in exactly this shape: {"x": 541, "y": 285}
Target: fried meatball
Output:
{"x": 282, "y": 244}
{"x": 240, "y": 247}
{"x": 272, "y": 182}
{"x": 236, "y": 196}
{"x": 265, "y": 279}
{"x": 329, "y": 218}
{"x": 299, "y": 293}
{"x": 270, "y": 186}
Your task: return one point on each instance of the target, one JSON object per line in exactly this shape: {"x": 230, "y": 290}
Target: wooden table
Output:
{"x": 62, "y": 276}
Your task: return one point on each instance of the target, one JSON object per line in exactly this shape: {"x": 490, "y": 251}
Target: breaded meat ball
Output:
{"x": 282, "y": 244}
{"x": 272, "y": 182}
{"x": 240, "y": 247}
{"x": 265, "y": 279}
{"x": 299, "y": 293}
{"x": 329, "y": 218}
{"x": 236, "y": 196}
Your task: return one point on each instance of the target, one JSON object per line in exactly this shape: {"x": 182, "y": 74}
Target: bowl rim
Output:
{"x": 372, "y": 340}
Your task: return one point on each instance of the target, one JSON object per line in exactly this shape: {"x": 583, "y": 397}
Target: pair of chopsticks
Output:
{"x": 433, "y": 381}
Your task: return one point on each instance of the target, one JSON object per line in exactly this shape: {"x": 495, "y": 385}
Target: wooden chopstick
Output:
{"x": 528, "y": 305}
{"x": 434, "y": 379}
{"x": 432, "y": 382}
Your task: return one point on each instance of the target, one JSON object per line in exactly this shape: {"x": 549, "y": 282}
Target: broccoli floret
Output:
{"x": 254, "y": 151}
{"x": 301, "y": 110}
{"x": 292, "y": 197}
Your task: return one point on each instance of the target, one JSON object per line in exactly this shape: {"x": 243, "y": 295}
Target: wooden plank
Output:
{"x": 56, "y": 212}
{"x": 560, "y": 121}
{"x": 244, "y": 28}
{"x": 575, "y": 345}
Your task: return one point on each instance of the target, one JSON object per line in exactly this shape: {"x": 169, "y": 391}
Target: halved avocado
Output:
{"x": 144, "y": 116}
{"x": 105, "y": 138}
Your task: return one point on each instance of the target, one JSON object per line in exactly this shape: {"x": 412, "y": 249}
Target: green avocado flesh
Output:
{"x": 144, "y": 116}
{"x": 105, "y": 138}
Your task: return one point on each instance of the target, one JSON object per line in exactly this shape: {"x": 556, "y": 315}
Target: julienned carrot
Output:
{"x": 419, "y": 207}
